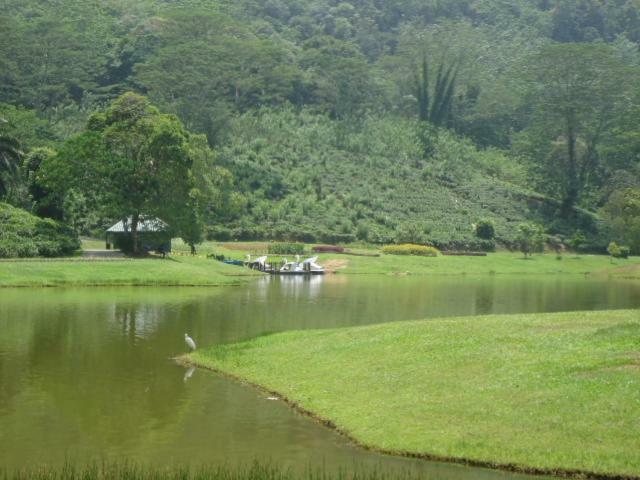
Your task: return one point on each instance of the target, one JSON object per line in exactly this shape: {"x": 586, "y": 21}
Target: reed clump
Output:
{"x": 252, "y": 471}
{"x": 411, "y": 249}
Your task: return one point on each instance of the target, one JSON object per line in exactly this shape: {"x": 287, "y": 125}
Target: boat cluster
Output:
{"x": 304, "y": 267}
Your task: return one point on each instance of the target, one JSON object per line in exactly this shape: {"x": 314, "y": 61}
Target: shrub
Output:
{"x": 285, "y": 249}
{"x": 410, "y": 249}
{"x": 614, "y": 250}
{"x": 25, "y": 235}
{"x": 578, "y": 242}
{"x": 54, "y": 239}
{"x": 486, "y": 229}
{"x": 530, "y": 238}
{"x": 362, "y": 231}
{"x": 16, "y": 246}
{"x": 411, "y": 233}
{"x": 618, "y": 252}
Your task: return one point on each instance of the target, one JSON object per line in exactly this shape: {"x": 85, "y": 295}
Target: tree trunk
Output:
{"x": 193, "y": 248}
{"x": 135, "y": 219}
{"x": 571, "y": 195}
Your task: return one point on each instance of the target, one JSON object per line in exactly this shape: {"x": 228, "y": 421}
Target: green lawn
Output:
{"x": 493, "y": 263}
{"x": 181, "y": 270}
{"x": 92, "y": 243}
{"x": 550, "y": 392}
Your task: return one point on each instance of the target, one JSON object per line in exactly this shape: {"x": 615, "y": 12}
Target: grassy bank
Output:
{"x": 552, "y": 392}
{"x": 493, "y": 263}
{"x": 174, "y": 271}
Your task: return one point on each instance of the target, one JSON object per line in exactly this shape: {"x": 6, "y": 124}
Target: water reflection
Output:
{"x": 87, "y": 373}
{"x": 188, "y": 373}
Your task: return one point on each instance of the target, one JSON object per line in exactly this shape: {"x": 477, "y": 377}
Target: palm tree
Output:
{"x": 435, "y": 107}
{"x": 10, "y": 156}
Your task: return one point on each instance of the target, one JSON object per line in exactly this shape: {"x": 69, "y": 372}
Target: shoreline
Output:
{"x": 78, "y": 272}
{"x": 184, "y": 361}
{"x": 255, "y": 363}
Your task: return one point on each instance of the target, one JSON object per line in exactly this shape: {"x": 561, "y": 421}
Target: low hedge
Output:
{"x": 25, "y": 235}
{"x": 285, "y": 249}
{"x": 410, "y": 249}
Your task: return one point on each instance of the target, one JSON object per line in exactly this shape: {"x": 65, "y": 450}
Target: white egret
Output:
{"x": 189, "y": 341}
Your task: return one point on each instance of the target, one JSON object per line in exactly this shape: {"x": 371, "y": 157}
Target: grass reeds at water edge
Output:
{"x": 253, "y": 471}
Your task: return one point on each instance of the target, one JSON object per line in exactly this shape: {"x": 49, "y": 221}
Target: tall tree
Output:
{"x": 435, "y": 106}
{"x": 577, "y": 92}
{"x": 136, "y": 158}
{"x": 10, "y": 156}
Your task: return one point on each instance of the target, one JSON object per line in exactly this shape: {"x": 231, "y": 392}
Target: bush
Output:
{"x": 25, "y": 235}
{"x": 54, "y": 239}
{"x": 618, "y": 252}
{"x": 411, "y": 233}
{"x": 614, "y": 250}
{"x": 578, "y": 242}
{"x": 410, "y": 249}
{"x": 530, "y": 238}
{"x": 362, "y": 231}
{"x": 486, "y": 229}
{"x": 285, "y": 249}
{"x": 16, "y": 246}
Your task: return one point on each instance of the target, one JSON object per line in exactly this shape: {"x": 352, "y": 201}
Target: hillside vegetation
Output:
{"x": 331, "y": 120}
{"x": 312, "y": 179}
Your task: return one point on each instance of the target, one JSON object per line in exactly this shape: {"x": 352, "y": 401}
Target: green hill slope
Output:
{"x": 307, "y": 177}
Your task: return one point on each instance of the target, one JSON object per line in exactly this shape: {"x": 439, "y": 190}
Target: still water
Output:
{"x": 86, "y": 374}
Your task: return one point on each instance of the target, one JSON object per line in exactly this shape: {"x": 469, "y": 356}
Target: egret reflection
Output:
{"x": 188, "y": 374}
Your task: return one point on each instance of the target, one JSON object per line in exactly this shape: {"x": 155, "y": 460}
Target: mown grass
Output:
{"x": 174, "y": 271}
{"x": 132, "y": 471}
{"x": 493, "y": 263}
{"x": 88, "y": 243}
{"x": 549, "y": 392}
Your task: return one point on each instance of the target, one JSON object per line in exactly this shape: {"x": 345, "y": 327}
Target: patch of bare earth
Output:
{"x": 633, "y": 362}
{"x": 628, "y": 271}
{"x": 332, "y": 266}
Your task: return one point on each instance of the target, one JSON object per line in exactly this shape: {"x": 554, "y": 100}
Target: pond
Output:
{"x": 87, "y": 374}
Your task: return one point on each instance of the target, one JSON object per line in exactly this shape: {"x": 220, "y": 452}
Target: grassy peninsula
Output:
{"x": 174, "y": 271}
{"x": 548, "y": 393}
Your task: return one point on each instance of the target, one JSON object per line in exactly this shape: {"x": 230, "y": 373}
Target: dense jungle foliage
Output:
{"x": 404, "y": 121}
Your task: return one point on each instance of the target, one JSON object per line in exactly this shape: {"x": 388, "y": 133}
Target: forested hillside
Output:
{"x": 335, "y": 121}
